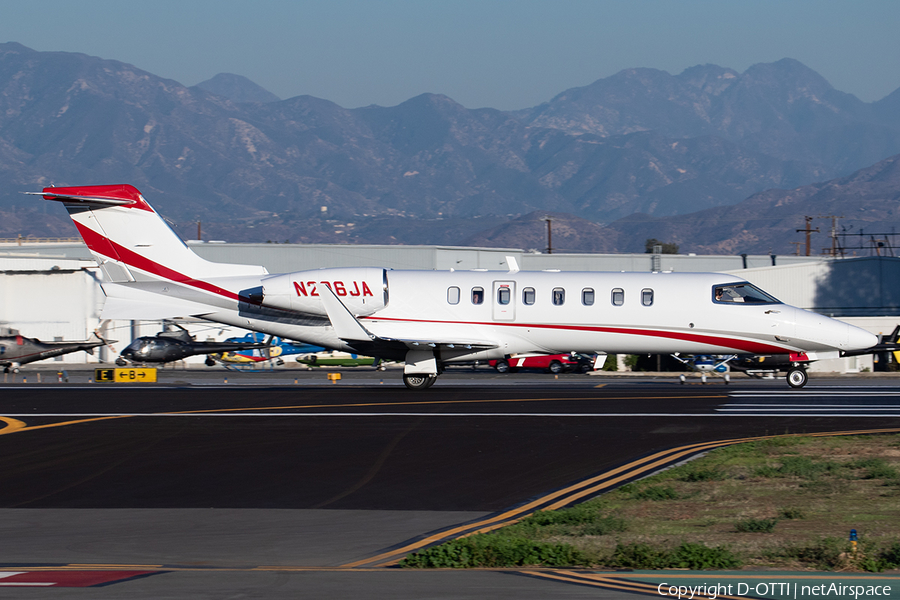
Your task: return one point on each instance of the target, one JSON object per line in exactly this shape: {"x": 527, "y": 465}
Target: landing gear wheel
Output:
{"x": 703, "y": 378}
{"x": 121, "y": 362}
{"x": 502, "y": 366}
{"x": 210, "y": 362}
{"x": 419, "y": 382}
{"x": 681, "y": 378}
{"x": 555, "y": 367}
{"x": 797, "y": 377}
{"x": 727, "y": 378}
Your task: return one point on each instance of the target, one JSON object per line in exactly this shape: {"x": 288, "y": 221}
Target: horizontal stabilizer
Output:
{"x": 123, "y": 302}
{"x": 81, "y": 199}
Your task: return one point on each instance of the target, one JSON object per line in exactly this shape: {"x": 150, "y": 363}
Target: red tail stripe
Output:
{"x": 109, "y": 248}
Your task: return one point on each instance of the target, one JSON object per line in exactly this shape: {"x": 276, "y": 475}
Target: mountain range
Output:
{"x": 639, "y": 154}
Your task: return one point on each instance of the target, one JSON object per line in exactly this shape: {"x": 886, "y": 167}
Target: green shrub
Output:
{"x": 792, "y": 513}
{"x": 823, "y": 554}
{"x": 686, "y": 556}
{"x": 578, "y": 520}
{"x": 756, "y": 525}
{"x": 495, "y": 551}
{"x": 567, "y": 516}
{"x": 891, "y": 556}
{"x": 699, "y": 557}
{"x": 639, "y": 556}
{"x": 656, "y": 493}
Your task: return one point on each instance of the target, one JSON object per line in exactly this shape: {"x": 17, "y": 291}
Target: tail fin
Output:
{"x": 130, "y": 240}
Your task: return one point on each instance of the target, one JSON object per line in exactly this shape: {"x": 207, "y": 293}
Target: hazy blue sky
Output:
{"x": 500, "y": 53}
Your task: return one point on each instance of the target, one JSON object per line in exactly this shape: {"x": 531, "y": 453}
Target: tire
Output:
{"x": 502, "y": 366}
{"x": 797, "y": 377}
{"x": 585, "y": 368}
{"x": 121, "y": 362}
{"x": 210, "y": 362}
{"x": 555, "y": 367}
{"x": 419, "y": 382}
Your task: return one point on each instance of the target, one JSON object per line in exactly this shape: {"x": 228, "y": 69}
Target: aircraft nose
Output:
{"x": 860, "y": 339}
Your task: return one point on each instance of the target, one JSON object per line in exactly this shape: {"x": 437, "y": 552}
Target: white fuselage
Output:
{"x": 553, "y": 312}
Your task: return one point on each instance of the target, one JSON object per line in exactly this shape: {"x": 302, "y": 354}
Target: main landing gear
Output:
{"x": 797, "y": 377}
{"x": 419, "y": 382}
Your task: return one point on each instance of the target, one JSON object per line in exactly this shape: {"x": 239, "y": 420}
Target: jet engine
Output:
{"x": 364, "y": 291}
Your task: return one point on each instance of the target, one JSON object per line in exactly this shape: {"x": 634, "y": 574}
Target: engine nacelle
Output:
{"x": 363, "y": 290}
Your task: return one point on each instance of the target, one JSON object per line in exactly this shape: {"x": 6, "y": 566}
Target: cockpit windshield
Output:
{"x": 742, "y": 292}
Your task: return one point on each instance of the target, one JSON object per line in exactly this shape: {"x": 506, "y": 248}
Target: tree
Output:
{"x": 667, "y": 247}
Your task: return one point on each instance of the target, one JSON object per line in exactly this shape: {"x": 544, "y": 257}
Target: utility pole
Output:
{"x": 808, "y": 230}
{"x": 549, "y": 235}
{"x": 835, "y": 246}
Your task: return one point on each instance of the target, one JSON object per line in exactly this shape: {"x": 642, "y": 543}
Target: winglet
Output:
{"x": 345, "y": 324}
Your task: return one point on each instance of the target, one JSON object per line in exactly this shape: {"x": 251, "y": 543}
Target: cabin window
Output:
{"x": 559, "y": 296}
{"x": 528, "y": 296}
{"x": 741, "y": 293}
{"x": 503, "y": 295}
{"x": 587, "y": 296}
{"x": 647, "y": 297}
{"x": 453, "y": 295}
{"x": 477, "y": 295}
{"x": 618, "y": 297}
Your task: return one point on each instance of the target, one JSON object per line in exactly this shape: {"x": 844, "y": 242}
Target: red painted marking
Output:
{"x": 749, "y": 346}
{"x": 112, "y": 192}
{"x": 68, "y": 578}
{"x": 106, "y": 247}
{"x": 801, "y": 357}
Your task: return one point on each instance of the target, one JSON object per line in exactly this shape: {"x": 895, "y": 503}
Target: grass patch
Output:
{"x": 698, "y": 515}
{"x": 756, "y": 525}
{"x": 656, "y": 493}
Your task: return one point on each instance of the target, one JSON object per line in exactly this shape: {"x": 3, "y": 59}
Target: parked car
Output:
{"x": 551, "y": 363}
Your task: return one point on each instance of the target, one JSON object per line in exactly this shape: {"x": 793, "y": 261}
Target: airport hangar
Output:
{"x": 50, "y": 289}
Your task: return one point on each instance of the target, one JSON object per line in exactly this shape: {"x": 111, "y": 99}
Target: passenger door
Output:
{"x": 504, "y": 300}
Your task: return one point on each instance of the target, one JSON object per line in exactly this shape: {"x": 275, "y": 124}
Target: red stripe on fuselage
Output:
{"x": 748, "y": 346}
{"x": 107, "y": 247}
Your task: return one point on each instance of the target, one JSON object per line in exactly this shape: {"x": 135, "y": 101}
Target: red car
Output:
{"x": 552, "y": 363}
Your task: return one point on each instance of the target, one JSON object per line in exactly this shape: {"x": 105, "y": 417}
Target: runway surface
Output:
{"x": 271, "y": 487}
